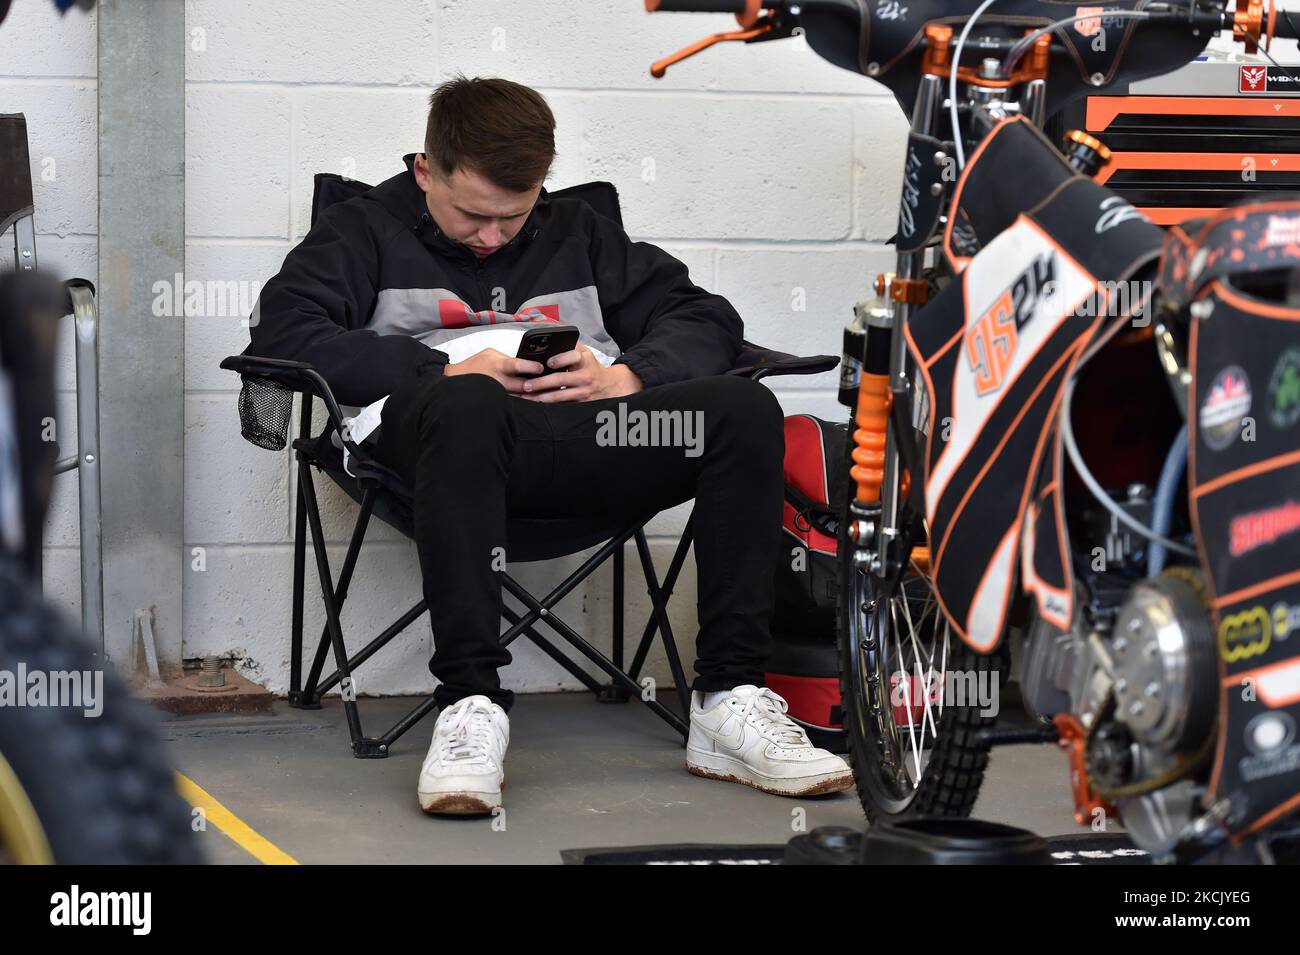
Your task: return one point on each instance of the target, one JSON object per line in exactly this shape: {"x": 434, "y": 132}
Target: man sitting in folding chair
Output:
{"x": 390, "y": 296}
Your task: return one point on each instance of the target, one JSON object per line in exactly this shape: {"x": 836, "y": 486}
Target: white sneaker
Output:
{"x": 465, "y": 768}
{"x": 748, "y": 738}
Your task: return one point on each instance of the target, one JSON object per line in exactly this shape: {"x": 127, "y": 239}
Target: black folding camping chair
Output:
{"x": 265, "y": 408}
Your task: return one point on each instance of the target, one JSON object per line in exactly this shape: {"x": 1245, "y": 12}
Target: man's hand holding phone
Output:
{"x": 577, "y": 376}
{"x": 552, "y": 365}
{"x": 513, "y": 373}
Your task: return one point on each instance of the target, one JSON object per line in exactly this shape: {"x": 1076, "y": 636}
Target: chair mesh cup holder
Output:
{"x": 264, "y": 411}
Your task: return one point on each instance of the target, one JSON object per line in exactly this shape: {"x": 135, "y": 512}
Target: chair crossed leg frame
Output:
{"x": 624, "y": 685}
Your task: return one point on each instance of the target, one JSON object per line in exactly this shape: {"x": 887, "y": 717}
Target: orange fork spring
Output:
{"x": 872, "y": 419}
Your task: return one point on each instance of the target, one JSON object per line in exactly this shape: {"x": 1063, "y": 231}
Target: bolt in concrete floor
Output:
{"x": 579, "y": 774}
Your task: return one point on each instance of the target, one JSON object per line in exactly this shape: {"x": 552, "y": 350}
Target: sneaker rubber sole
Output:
{"x": 726, "y": 769}
{"x": 460, "y": 803}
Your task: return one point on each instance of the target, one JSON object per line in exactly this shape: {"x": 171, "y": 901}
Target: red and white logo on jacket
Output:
{"x": 453, "y": 313}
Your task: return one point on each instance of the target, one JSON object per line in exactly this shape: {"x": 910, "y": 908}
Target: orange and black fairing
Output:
{"x": 1235, "y": 275}
{"x": 995, "y": 349}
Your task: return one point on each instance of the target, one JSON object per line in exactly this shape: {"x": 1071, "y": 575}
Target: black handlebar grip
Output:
{"x": 695, "y": 6}
{"x": 1285, "y": 23}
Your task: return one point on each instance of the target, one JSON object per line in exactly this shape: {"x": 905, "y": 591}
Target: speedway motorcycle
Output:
{"x": 1075, "y": 440}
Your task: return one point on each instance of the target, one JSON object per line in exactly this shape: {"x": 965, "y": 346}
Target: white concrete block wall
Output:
{"x": 766, "y": 170}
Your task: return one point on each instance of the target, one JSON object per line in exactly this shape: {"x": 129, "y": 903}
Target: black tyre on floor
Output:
{"x": 74, "y": 788}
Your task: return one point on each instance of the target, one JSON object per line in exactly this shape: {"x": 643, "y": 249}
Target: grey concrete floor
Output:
{"x": 579, "y": 774}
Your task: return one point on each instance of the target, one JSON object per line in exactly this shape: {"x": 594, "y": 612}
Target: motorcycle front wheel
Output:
{"x": 912, "y": 722}
{"x": 78, "y": 786}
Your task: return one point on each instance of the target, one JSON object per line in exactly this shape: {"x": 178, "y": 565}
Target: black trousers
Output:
{"x": 476, "y": 455}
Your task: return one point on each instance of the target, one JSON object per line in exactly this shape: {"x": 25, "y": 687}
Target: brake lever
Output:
{"x": 771, "y": 26}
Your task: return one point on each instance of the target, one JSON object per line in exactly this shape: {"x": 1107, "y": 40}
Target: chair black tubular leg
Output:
{"x": 331, "y": 609}
{"x": 670, "y": 641}
{"x": 618, "y": 608}
{"x": 658, "y": 604}
{"x": 554, "y": 652}
{"x": 371, "y": 748}
{"x": 541, "y": 610}
{"x": 378, "y": 748}
{"x": 312, "y": 691}
{"x": 341, "y": 590}
{"x": 679, "y": 675}
{"x": 584, "y": 570}
{"x": 612, "y": 692}
{"x": 670, "y": 581}
{"x": 375, "y": 645}
{"x": 354, "y": 545}
{"x": 591, "y": 653}
{"x": 299, "y": 582}
{"x": 296, "y": 697}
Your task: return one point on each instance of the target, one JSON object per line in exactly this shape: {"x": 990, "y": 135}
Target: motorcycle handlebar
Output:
{"x": 1284, "y": 24}
{"x": 1254, "y": 24}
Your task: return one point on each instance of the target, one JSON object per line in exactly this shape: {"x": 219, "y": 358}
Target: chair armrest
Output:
{"x": 754, "y": 361}
{"x": 269, "y": 367}
{"x": 292, "y": 376}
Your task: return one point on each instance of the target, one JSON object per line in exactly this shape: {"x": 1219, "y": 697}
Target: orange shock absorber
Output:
{"x": 872, "y": 419}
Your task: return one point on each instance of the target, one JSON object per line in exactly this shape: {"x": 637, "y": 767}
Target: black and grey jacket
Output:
{"x": 375, "y": 287}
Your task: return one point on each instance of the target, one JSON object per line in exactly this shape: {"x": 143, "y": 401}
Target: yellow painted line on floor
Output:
{"x": 243, "y": 835}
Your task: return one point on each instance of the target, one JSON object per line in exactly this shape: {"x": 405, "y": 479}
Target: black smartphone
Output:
{"x": 544, "y": 342}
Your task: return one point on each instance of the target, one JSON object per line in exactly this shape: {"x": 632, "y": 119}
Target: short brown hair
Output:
{"x": 498, "y": 129}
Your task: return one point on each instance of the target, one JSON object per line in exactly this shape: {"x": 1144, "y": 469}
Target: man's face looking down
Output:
{"x": 471, "y": 209}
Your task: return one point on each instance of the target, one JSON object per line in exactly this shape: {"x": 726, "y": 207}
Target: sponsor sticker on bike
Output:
{"x": 992, "y": 339}
{"x": 1225, "y": 405}
{"x": 1247, "y": 532}
{"x": 1252, "y": 79}
{"x": 1092, "y": 25}
{"x": 1267, "y": 79}
{"x": 1270, "y": 737}
{"x": 1286, "y": 619}
{"x": 1282, "y": 230}
{"x": 1284, "y": 390}
{"x": 1245, "y": 634}
{"x": 1116, "y": 210}
{"x": 965, "y": 241}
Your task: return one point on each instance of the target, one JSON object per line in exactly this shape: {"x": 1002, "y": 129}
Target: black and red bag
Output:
{"x": 804, "y": 667}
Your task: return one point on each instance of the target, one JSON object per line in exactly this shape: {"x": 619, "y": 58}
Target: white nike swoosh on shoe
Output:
{"x": 733, "y": 742}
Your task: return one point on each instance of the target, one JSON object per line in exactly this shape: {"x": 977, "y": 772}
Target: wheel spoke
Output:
{"x": 906, "y": 678}
{"x": 911, "y": 630}
{"x": 943, "y": 669}
{"x": 912, "y": 658}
